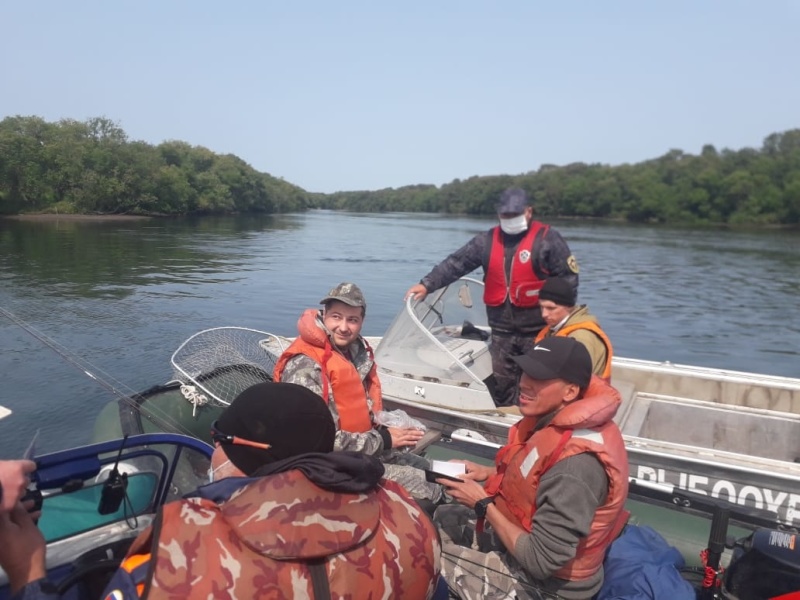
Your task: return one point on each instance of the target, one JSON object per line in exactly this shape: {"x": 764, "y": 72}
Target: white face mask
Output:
{"x": 514, "y": 225}
{"x": 212, "y": 471}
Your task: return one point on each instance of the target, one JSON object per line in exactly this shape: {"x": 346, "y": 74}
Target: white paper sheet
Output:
{"x": 454, "y": 469}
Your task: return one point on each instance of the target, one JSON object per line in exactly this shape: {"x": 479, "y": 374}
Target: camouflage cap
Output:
{"x": 349, "y": 293}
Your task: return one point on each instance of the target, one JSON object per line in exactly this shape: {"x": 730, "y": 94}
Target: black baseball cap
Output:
{"x": 513, "y": 201}
{"x": 557, "y": 358}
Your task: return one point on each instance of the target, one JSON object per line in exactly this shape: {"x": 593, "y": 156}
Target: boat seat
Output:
{"x": 474, "y": 354}
{"x": 92, "y": 571}
{"x": 625, "y": 414}
{"x": 431, "y": 436}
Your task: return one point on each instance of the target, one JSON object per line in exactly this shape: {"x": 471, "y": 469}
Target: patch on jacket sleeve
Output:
{"x": 572, "y": 263}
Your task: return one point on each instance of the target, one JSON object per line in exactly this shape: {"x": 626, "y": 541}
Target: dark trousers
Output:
{"x": 506, "y": 371}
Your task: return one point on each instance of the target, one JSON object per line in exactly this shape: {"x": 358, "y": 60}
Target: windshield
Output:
{"x": 444, "y": 338}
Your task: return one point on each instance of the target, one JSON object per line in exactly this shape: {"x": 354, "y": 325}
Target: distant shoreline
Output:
{"x": 79, "y": 218}
{"x": 72, "y": 217}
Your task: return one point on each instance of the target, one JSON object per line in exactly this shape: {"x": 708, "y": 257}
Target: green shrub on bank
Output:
{"x": 91, "y": 167}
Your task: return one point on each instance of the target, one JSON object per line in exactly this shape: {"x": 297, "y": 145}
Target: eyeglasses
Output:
{"x": 224, "y": 438}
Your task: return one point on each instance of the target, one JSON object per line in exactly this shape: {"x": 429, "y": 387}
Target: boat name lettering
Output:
{"x": 782, "y": 539}
{"x": 787, "y": 505}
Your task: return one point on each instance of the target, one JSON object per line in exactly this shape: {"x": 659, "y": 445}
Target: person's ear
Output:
{"x": 571, "y": 392}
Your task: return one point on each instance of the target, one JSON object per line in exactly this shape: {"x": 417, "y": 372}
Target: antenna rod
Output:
{"x": 83, "y": 366}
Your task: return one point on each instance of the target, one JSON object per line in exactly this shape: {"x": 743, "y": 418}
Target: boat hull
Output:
{"x": 718, "y": 432}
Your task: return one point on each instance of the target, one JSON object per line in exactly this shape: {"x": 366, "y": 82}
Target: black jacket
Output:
{"x": 551, "y": 258}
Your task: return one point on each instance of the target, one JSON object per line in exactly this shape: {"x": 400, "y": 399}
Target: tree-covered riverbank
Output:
{"x": 91, "y": 167}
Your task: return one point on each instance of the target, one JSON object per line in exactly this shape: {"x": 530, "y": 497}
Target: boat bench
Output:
{"x": 431, "y": 437}
{"x": 473, "y": 354}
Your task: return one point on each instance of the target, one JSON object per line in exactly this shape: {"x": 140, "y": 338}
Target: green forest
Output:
{"x": 91, "y": 167}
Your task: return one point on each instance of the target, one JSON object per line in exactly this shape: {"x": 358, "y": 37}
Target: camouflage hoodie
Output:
{"x": 276, "y": 535}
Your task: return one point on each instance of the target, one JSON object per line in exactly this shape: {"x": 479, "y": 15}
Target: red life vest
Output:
{"x": 353, "y": 396}
{"x": 584, "y": 425}
{"x": 589, "y": 326}
{"x": 270, "y": 539}
{"x": 523, "y": 290}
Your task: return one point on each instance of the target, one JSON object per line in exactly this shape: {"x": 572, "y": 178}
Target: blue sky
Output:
{"x": 346, "y": 95}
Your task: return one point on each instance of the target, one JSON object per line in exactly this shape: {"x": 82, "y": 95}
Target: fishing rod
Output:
{"x": 98, "y": 375}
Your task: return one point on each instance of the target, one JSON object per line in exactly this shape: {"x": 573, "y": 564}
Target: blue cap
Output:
{"x": 513, "y": 201}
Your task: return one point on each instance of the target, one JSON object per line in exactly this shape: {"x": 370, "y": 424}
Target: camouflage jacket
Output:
{"x": 551, "y": 258}
{"x": 304, "y": 370}
{"x": 274, "y": 535}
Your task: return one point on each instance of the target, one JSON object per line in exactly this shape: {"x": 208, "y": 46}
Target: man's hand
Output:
{"x": 476, "y": 472}
{"x": 404, "y": 437}
{"x": 22, "y": 548}
{"x": 419, "y": 292}
{"x": 14, "y": 477}
{"x": 468, "y": 493}
{"x": 464, "y": 492}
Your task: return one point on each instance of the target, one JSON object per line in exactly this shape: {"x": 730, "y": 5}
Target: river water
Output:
{"x": 122, "y": 296}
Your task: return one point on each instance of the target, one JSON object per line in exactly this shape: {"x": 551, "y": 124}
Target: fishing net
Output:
{"x": 216, "y": 365}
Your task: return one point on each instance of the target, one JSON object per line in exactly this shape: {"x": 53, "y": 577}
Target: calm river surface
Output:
{"x": 124, "y": 295}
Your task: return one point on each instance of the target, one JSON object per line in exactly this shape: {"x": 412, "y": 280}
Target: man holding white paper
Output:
{"x": 554, "y": 500}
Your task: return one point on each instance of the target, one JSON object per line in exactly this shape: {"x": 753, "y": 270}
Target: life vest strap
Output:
{"x": 319, "y": 579}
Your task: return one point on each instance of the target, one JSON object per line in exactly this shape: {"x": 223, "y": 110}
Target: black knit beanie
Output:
{"x": 290, "y": 418}
{"x": 558, "y": 290}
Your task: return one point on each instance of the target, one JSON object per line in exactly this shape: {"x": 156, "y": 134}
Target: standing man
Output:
{"x": 517, "y": 257}
{"x": 555, "y": 498}
{"x": 558, "y": 303}
{"x": 332, "y": 359}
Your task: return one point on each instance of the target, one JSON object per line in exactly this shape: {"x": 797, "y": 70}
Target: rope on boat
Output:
{"x": 712, "y": 577}
{"x": 192, "y": 395}
{"x": 534, "y": 591}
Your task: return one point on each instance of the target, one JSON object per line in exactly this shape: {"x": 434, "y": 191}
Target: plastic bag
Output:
{"x": 398, "y": 418}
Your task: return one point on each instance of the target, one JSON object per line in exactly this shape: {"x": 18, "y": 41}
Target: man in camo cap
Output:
{"x": 332, "y": 359}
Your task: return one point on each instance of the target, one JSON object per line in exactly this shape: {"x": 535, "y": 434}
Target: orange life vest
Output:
{"x": 584, "y": 425}
{"x": 277, "y": 533}
{"x": 589, "y": 326}
{"x": 523, "y": 290}
{"x": 353, "y": 396}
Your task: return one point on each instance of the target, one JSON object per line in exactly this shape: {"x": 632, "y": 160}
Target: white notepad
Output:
{"x": 454, "y": 469}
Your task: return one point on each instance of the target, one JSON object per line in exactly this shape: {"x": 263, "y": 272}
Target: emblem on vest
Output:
{"x": 524, "y": 256}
